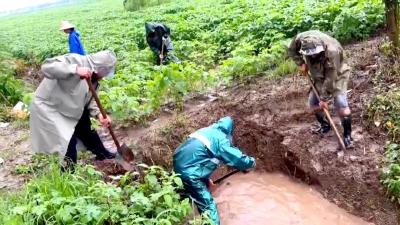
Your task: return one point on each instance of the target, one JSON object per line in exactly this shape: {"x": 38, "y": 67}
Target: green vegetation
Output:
{"x": 391, "y": 172}
{"x": 133, "y": 5}
{"x": 246, "y": 39}
{"x": 10, "y": 88}
{"x": 217, "y": 41}
{"x": 384, "y": 111}
{"x": 83, "y": 198}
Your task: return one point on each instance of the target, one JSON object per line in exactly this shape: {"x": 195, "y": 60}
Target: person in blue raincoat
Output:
{"x": 74, "y": 41}
{"x": 197, "y": 158}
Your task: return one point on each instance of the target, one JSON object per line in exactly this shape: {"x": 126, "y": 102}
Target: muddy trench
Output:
{"x": 273, "y": 124}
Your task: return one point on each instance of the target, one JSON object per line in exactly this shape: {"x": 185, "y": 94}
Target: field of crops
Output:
{"x": 216, "y": 41}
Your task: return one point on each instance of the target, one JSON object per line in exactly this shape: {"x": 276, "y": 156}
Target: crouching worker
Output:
{"x": 197, "y": 158}
{"x": 158, "y": 38}
{"x": 62, "y": 105}
{"x": 322, "y": 56}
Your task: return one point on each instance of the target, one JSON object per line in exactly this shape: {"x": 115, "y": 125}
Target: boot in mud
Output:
{"x": 347, "y": 139}
{"x": 325, "y": 126}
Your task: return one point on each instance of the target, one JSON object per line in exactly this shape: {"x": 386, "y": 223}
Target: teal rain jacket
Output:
{"x": 201, "y": 154}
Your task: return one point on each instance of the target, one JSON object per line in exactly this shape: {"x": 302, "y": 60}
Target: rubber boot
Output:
{"x": 325, "y": 126}
{"x": 347, "y": 139}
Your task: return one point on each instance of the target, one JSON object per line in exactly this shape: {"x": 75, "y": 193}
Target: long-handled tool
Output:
{"x": 123, "y": 149}
{"x": 219, "y": 180}
{"x": 162, "y": 50}
{"x": 328, "y": 115}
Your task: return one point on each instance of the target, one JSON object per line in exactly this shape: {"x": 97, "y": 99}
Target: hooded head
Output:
{"x": 311, "y": 46}
{"x": 225, "y": 124}
{"x": 103, "y": 63}
{"x": 152, "y": 28}
{"x": 149, "y": 27}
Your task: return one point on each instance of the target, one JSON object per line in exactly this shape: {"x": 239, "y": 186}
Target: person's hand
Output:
{"x": 161, "y": 57}
{"x": 211, "y": 186}
{"x": 106, "y": 122}
{"x": 303, "y": 68}
{"x": 323, "y": 105}
{"x": 84, "y": 72}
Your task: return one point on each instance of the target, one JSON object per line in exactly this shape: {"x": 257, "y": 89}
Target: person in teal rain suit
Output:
{"x": 197, "y": 158}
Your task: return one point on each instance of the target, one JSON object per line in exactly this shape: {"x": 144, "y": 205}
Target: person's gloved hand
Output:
{"x": 84, "y": 72}
{"x": 211, "y": 186}
{"x": 323, "y": 105}
{"x": 252, "y": 167}
{"x": 304, "y": 69}
{"x": 106, "y": 122}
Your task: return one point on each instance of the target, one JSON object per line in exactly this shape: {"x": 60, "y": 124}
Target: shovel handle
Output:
{"x": 102, "y": 111}
{"x": 219, "y": 180}
{"x": 162, "y": 50}
{"x": 328, "y": 115}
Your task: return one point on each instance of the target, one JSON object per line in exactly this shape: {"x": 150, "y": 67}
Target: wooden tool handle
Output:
{"x": 162, "y": 50}
{"x": 102, "y": 111}
{"x": 219, "y": 180}
{"x": 328, "y": 115}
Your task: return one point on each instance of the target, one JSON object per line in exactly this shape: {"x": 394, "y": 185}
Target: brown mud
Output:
{"x": 273, "y": 123}
{"x": 14, "y": 151}
{"x": 254, "y": 198}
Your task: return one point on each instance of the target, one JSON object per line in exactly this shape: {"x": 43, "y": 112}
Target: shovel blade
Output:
{"x": 126, "y": 152}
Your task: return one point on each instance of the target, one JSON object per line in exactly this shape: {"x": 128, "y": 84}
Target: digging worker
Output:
{"x": 157, "y": 37}
{"x": 197, "y": 158}
{"x": 62, "y": 105}
{"x": 74, "y": 41}
{"x": 322, "y": 56}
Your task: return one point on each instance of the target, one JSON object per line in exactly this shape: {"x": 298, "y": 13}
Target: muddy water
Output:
{"x": 275, "y": 199}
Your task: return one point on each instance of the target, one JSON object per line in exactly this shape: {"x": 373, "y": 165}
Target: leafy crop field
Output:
{"x": 217, "y": 41}
{"x": 54, "y": 197}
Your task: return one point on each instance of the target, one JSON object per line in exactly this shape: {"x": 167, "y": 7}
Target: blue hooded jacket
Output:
{"x": 201, "y": 154}
{"x": 75, "y": 44}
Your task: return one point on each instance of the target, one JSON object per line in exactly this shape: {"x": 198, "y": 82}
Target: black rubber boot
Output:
{"x": 325, "y": 126}
{"x": 347, "y": 139}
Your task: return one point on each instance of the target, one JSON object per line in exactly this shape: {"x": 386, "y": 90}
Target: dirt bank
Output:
{"x": 273, "y": 124}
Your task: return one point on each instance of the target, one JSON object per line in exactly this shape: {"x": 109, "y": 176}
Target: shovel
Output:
{"x": 123, "y": 150}
{"x": 162, "y": 51}
{"x": 328, "y": 115}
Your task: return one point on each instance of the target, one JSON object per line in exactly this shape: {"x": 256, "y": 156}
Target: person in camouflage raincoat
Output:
{"x": 322, "y": 56}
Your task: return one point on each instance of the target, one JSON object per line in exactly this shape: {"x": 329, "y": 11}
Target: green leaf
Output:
{"x": 168, "y": 200}
{"x": 178, "y": 182}
{"x": 152, "y": 180}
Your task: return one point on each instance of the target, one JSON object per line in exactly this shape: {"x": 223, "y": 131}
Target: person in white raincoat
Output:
{"x": 63, "y": 104}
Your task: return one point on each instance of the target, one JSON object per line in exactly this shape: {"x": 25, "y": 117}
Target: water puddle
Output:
{"x": 275, "y": 199}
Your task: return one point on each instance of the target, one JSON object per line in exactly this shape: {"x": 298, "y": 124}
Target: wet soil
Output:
{"x": 254, "y": 198}
{"x": 273, "y": 123}
{"x": 14, "y": 151}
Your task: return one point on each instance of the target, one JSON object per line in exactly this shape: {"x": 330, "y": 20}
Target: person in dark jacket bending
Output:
{"x": 157, "y": 37}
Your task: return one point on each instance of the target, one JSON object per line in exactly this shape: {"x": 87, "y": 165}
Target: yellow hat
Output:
{"x": 66, "y": 25}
